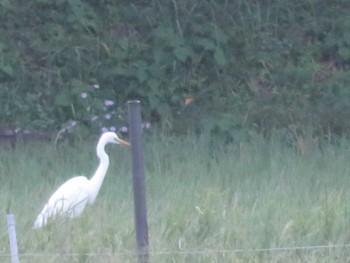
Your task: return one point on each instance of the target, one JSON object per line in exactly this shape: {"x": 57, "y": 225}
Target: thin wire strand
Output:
{"x": 190, "y": 252}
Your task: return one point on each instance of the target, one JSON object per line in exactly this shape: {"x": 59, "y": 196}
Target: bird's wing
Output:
{"x": 69, "y": 199}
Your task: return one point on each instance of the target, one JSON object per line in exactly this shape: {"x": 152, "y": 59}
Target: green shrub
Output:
{"x": 248, "y": 65}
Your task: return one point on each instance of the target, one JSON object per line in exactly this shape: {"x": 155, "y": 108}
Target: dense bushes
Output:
{"x": 247, "y": 64}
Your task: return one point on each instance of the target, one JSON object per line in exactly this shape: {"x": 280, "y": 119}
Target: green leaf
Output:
{"x": 62, "y": 100}
{"x": 205, "y": 43}
{"x": 153, "y": 84}
{"x": 344, "y": 52}
{"x": 182, "y": 53}
{"x": 154, "y": 102}
{"x": 141, "y": 75}
{"x": 347, "y": 38}
{"x": 7, "y": 69}
{"x": 219, "y": 57}
{"x": 123, "y": 72}
{"x": 77, "y": 86}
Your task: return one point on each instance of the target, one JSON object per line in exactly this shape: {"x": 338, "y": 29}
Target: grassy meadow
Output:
{"x": 206, "y": 202}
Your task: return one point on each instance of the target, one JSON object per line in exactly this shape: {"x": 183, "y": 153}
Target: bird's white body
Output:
{"x": 71, "y": 198}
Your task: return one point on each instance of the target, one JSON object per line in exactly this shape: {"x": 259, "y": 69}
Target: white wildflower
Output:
{"x": 108, "y": 116}
{"x": 113, "y": 129}
{"x": 83, "y": 95}
{"x": 104, "y": 129}
{"x": 146, "y": 125}
{"x": 96, "y": 86}
{"x": 109, "y": 102}
{"x": 123, "y": 129}
{"x": 94, "y": 118}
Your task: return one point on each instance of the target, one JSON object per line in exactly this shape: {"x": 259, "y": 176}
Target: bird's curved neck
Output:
{"x": 97, "y": 179}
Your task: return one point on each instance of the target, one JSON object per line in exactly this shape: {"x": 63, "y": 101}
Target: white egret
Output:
{"x": 70, "y": 198}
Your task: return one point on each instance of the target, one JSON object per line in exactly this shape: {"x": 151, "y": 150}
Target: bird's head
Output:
{"x": 111, "y": 137}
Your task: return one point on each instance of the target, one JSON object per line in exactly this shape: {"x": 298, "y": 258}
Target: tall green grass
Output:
{"x": 205, "y": 201}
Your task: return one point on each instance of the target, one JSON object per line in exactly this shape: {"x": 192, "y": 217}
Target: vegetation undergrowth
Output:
{"x": 206, "y": 203}
{"x": 245, "y": 64}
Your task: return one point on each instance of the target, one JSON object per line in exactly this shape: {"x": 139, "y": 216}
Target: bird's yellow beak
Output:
{"x": 122, "y": 142}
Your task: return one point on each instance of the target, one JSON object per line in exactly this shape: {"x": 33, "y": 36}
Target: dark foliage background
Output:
{"x": 248, "y": 65}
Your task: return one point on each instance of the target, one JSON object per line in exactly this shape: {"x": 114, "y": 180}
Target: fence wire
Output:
{"x": 187, "y": 252}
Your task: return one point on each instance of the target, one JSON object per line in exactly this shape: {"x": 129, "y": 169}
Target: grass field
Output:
{"x": 205, "y": 203}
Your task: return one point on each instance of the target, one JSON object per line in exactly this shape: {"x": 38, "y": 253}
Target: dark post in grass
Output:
{"x": 138, "y": 181}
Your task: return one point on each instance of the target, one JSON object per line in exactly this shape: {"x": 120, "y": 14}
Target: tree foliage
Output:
{"x": 248, "y": 65}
